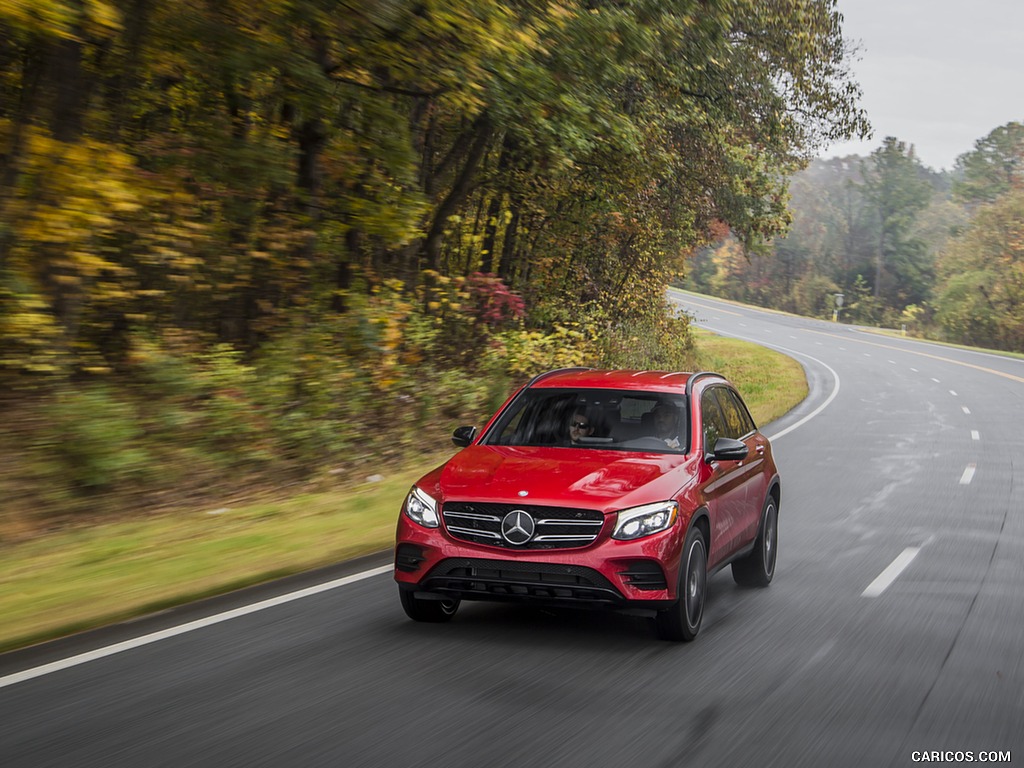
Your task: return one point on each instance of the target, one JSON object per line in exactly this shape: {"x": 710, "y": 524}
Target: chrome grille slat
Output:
{"x": 471, "y": 532}
{"x": 598, "y": 523}
{"x": 471, "y": 516}
{"x": 562, "y": 537}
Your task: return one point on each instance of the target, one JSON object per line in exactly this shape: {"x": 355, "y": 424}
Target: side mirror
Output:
{"x": 727, "y": 449}
{"x": 463, "y": 436}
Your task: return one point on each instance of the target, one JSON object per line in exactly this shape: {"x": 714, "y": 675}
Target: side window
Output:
{"x": 711, "y": 418}
{"x": 737, "y": 421}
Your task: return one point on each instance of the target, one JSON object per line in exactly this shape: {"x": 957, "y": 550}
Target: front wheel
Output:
{"x": 758, "y": 568}
{"x": 420, "y": 609}
{"x": 682, "y": 621}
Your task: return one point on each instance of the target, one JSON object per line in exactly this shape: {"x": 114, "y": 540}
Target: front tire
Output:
{"x": 758, "y": 568}
{"x": 682, "y": 621}
{"x": 433, "y": 611}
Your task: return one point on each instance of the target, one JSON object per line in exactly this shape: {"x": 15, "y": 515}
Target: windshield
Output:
{"x": 605, "y": 419}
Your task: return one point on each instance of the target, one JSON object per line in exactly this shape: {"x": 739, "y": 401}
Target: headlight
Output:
{"x": 642, "y": 521}
{"x": 421, "y": 508}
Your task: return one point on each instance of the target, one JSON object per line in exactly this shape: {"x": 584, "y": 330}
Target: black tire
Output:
{"x": 434, "y": 611}
{"x": 758, "y": 568}
{"x": 682, "y": 620}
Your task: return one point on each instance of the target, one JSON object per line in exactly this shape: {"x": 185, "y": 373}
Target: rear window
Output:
{"x": 603, "y": 419}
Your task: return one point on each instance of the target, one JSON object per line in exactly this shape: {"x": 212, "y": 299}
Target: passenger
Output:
{"x": 580, "y": 425}
{"x": 666, "y": 424}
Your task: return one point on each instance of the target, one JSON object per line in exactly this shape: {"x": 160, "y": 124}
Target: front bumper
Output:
{"x": 606, "y": 574}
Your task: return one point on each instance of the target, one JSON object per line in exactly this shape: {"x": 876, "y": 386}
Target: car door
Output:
{"x": 750, "y": 475}
{"x": 724, "y": 492}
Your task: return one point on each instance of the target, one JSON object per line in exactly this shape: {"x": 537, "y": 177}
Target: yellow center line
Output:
{"x": 922, "y": 354}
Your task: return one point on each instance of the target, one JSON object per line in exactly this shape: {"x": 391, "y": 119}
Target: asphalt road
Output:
{"x": 893, "y": 627}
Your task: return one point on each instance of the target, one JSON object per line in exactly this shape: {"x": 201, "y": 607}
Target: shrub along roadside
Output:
{"x": 87, "y": 576}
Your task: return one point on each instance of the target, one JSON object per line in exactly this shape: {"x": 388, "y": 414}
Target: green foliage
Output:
{"x": 980, "y": 298}
{"x": 94, "y": 439}
{"x": 993, "y": 168}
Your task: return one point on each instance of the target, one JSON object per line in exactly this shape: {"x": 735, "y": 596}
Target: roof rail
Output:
{"x": 693, "y": 379}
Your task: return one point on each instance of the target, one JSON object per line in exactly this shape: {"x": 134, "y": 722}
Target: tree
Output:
{"x": 895, "y": 187}
{"x": 980, "y": 296}
{"x": 994, "y": 167}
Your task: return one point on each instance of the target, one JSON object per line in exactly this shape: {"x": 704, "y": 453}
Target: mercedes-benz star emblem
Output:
{"x": 518, "y": 526}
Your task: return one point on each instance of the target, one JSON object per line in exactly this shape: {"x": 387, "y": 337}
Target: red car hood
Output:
{"x": 592, "y": 479}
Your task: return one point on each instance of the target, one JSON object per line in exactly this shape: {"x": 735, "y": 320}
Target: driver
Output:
{"x": 666, "y": 424}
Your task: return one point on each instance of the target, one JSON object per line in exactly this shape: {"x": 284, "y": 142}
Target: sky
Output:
{"x": 938, "y": 74}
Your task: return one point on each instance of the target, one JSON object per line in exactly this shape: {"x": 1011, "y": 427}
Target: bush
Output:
{"x": 94, "y": 438}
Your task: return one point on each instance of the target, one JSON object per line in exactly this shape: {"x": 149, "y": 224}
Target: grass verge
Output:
{"x": 85, "y": 577}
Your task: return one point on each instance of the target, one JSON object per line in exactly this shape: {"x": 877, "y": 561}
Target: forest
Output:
{"x": 935, "y": 254}
{"x": 277, "y": 238}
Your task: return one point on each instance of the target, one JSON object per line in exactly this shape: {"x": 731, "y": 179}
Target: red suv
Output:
{"x": 596, "y": 489}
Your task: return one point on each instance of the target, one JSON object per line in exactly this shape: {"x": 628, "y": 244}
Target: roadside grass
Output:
{"x": 770, "y": 382}
{"x": 83, "y": 577}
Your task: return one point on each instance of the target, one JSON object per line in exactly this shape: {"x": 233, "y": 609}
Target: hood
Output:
{"x": 592, "y": 479}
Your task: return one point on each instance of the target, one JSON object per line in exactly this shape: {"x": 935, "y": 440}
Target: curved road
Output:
{"x": 894, "y": 625}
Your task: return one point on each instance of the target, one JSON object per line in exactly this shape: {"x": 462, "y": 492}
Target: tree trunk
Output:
{"x": 460, "y": 189}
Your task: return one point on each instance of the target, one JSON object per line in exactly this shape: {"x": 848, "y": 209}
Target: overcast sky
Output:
{"x": 938, "y": 74}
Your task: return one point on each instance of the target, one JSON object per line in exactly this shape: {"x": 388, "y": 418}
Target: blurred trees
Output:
{"x": 281, "y": 234}
{"x": 227, "y": 167}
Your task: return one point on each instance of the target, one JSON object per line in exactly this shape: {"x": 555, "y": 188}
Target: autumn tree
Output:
{"x": 980, "y": 295}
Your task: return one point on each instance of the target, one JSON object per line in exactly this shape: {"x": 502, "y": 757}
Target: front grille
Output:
{"x": 497, "y": 579}
{"x": 557, "y": 527}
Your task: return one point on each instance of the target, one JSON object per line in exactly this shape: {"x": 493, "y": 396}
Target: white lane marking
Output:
{"x": 743, "y": 325}
{"x": 965, "y": 409}
{"x": 893, "y": 362}
{"x": 890, "y": 574}
{"x": 163, "y": 634}
{"x": 842, "y": 349}
{"x": 867, "y": 354}
{"x": 915, "y": 370}
{"x": 975, "y": 434}
{"x": 953, "y": 392}
{"x": 968, "y": 475}
{"x": 792, "y": 337}
{"x": 936, "y": 380}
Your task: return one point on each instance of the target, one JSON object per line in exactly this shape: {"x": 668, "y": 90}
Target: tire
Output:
{"x": 758, "y": 568}
{"x": 682, "y": 620}
{"x": 433, "y": 611}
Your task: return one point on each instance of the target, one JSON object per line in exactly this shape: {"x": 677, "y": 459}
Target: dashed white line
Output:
{"x": 975, "y": 434}
{"x": 867, "y": 354}
{"x": 915, "y": 370}
{"x": 965, "y": 409}
{"x": 936, "y": 380}
{"x": 968, "y": 475}
{"x": 892, "y": 362}
{"x": 953, "y": 392}
{"x": 890, "y": 574}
